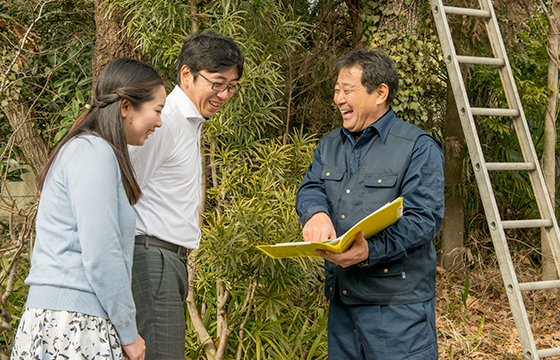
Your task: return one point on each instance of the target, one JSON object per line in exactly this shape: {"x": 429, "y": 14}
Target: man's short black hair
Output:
{"x": 378, "y": 68}
{"x": 209, "y": 51}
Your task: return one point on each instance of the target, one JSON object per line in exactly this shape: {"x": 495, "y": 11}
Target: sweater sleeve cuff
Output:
{"x": 127, "y": 333}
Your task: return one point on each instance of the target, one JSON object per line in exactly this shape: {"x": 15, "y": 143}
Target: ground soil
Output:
{"x": 485, "y": 329}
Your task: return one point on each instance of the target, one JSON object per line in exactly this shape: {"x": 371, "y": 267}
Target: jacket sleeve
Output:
{"x": 311, "y": 197}
{"x": 422, "y": 190}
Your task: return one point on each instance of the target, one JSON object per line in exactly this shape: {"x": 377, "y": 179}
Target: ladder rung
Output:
{"x": 525, "y": 224}
{"x": 548, "y": 352}
{"x": 494, "y": 112}
{"x": 540, "y": 285}
{"x": 480, "y": 60}
{"x": 465, "y": 11}
{"x": 510, "y": 166}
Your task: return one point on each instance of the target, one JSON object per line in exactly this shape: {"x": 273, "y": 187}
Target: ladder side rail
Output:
{"x": 514, "y": 102}
{"x": 523, "y": 133}
{"x": 513, "y": 292}
{"x": 553, "y": 238}
{"x": 486, "y": 192}
{"x": 512, "y": 96}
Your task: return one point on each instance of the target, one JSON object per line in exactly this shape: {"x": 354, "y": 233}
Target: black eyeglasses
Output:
{"x": 219, "y": 87}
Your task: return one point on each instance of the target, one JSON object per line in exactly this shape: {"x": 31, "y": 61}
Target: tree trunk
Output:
{"x": 17, "y": 109}
{"x": 194, "y": 13}
{"x": 549, "y": 151}
{"x": 27, "y": 137}
{"x": 111, "y": 42}
{"x": 453, "y": 222}
{"x": 407, "y": 24}
{"x": 355, "y": 10}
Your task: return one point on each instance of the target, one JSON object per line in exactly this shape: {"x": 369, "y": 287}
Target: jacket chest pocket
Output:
{"x": 380, "y": 180}
{"x": 378, "y": 189}
{"x": 333, "y": 178}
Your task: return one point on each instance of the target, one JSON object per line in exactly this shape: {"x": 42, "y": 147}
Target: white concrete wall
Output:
{"x": 23, "y": 192}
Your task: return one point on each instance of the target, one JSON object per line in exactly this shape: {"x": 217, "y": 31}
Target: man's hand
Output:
{"x": 319, "y": 228}
{"x": 356, "y": 254}
{"x": 136, "y": 350}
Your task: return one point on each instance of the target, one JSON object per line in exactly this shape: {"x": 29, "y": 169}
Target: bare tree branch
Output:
{"x": 22, "y": 44}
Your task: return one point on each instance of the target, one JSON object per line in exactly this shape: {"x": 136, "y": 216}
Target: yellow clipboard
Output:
{"x": 370, "y": 225}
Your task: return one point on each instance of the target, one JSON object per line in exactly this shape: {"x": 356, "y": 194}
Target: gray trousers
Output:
{"x": 159, "y": 287}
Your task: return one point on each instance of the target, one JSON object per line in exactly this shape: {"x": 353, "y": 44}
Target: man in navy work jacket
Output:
{"x": 382, "y": 290}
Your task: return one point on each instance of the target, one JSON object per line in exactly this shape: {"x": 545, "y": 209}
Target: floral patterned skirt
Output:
{"x": 48, "y": 335}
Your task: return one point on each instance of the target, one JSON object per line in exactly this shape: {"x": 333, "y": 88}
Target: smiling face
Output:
{"x": 206, "y": 100}
{"x": 142, "y": 122}
{"x": 358, "y": 108}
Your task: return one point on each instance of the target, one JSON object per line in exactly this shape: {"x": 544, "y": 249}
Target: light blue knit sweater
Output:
{"x": 82, "y": 257}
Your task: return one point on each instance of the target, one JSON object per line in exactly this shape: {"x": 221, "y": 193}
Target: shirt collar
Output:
{"x": 184, "y": 104}
{"x": 381, "y": 127}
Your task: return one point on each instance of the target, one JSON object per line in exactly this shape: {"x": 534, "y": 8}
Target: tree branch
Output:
{"x": 23, "y": 41}
{"x": 196, "y": 319}
{"x": 248, "y": 302}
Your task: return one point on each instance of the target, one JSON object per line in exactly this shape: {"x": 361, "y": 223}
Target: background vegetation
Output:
{"x": 243, "y": 305}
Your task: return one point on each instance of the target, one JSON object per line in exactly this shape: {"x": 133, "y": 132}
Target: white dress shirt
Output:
{"x": 168, "y": 169}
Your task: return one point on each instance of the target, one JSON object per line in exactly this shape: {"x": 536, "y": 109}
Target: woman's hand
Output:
{"x": 136, "y": 350}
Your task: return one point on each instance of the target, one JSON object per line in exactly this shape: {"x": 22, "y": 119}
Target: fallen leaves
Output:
{"x": 485, "y": 330}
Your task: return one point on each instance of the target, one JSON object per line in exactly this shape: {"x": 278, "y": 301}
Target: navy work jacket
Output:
{"x": 350, "y": 179}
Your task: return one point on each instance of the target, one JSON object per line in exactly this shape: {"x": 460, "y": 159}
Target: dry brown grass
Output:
{"x": 486, "y": 329}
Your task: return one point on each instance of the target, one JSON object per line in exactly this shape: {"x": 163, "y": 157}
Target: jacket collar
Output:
{"x": 381, "y": 127}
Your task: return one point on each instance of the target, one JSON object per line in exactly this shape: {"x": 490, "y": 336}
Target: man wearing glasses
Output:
{"x": 168, "y": 168}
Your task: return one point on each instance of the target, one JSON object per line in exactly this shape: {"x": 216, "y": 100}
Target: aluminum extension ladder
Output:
{"x": 481, "y": 167}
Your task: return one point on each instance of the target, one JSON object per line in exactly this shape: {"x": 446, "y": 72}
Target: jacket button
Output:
{"x": 348, "y": 191}
{"x": 344, "y": 292}
{"x": 385, "y": 271}
{"x": 330, "y": 288}
{"x": 379, "y": 181}
{"x": 342, "y": 217}
{"x": 328, "y": 174}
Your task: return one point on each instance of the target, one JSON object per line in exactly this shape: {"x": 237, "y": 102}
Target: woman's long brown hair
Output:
{"x": 120, "y": 79}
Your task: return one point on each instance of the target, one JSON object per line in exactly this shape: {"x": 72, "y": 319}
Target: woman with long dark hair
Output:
{"x": 80, "y": 303}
